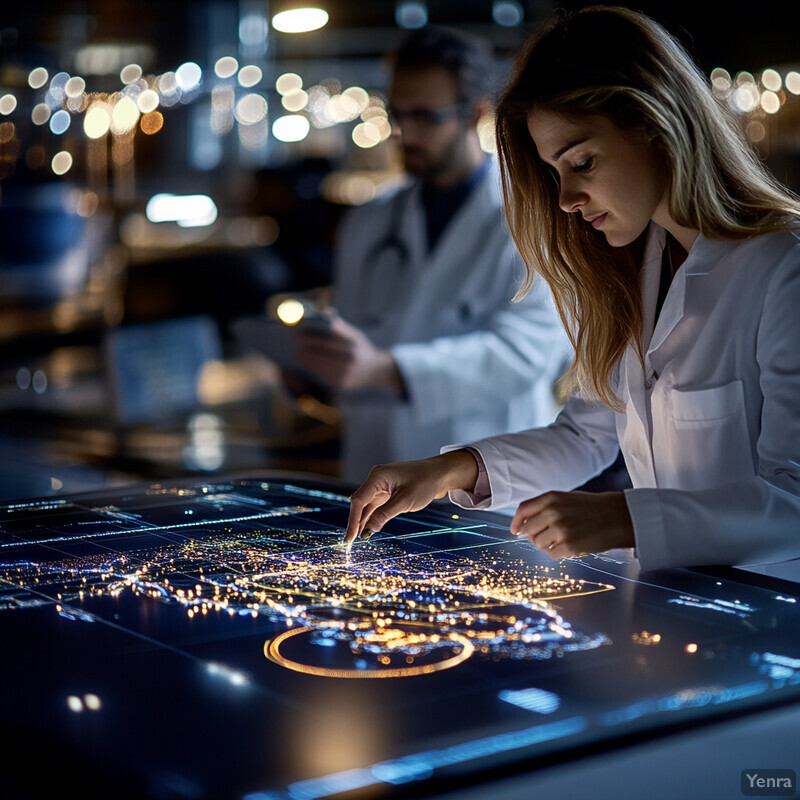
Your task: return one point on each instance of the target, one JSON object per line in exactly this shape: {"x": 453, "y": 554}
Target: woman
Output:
{"x": 674, "y": 259}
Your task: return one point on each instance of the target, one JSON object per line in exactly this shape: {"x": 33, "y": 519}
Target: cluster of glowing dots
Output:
{"x": 140, "y": 100}
{"x": 413, "y": 614}
{"x": 293, "y": 127}
{"x": 246, "y": 76}
{"x": 89, "y": 702}
{"x": 386, "y": 611}
{"x": 137, "y": 102}
{"x": 747, "y": 94}
{"x": 645, "y": 638}
{"x": 324, "y": 106}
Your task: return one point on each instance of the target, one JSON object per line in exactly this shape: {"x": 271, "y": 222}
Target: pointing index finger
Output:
{"x": 355, "y": 523}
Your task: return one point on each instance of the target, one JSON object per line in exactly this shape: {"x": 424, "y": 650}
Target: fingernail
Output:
{"x": 367, "y": 534}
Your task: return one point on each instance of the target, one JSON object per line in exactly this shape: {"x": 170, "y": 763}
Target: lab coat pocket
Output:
{"x": 702, "y": 439}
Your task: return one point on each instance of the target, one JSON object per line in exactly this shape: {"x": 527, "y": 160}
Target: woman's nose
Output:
{"x": 570, "y": 199}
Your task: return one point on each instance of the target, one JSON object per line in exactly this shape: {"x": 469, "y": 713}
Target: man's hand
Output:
{"x": 569, "y": 524}
{"x": 346, "y": 360}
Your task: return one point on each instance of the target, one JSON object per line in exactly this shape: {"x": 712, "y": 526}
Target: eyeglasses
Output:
{"x": 430, "y": 116}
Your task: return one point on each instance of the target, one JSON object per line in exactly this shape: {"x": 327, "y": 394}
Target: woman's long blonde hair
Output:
{"x": 621, "y": 64}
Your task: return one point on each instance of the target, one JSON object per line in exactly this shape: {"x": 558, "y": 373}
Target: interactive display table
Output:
{"x": 215, "y": 640}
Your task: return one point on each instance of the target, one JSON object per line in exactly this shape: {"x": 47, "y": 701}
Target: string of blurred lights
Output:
{"x": 239, "y": 100}
{"x": 756, "y": 98}
{"x": 139, "y": 103}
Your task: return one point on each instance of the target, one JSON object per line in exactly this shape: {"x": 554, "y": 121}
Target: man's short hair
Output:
{"x": 468, "y": 58}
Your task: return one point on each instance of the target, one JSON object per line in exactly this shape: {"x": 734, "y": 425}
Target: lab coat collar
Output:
{"x": 705, "y": 255}
{"x": 477, "y": 209}
{"x": 479, "y": 204}
{"x": 702, "y": 259}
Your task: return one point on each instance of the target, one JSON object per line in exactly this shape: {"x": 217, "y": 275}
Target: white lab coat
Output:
{"x": 711, "y": 430}
{"x": 474, "y": 364}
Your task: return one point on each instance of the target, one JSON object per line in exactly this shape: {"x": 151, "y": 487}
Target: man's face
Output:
{"x": 432, "y": 127}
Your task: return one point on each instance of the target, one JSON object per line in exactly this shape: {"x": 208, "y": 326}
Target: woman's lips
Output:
{"x": 596, "y": 222}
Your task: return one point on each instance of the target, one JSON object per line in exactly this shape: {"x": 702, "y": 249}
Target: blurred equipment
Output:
{"x": 45, "y": 252}
{"x": 154, "y": 368}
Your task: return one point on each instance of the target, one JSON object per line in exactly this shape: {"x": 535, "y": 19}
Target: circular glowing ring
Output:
{"x": 272, "y": 652}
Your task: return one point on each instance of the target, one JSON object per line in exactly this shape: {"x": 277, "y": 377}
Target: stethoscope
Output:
{"x": 381, "y": 291}
{"x": 385, "y": 263}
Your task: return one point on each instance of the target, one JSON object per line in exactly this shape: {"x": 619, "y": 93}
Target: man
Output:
{"x": 427, "y": 348}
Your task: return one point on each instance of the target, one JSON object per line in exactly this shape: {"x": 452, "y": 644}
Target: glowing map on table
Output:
{"x": 116, "y": 600}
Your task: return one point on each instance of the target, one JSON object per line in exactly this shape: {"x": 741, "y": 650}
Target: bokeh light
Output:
{"x": 188, "y": 76}
{"x": 38, "y": 78}
{"x": 300, "y": 20}
{"x": 40, "y": 114}
{"x": 7, "y": 104}
{"x": 226, "y": 67}
{"x": 250, "y": 109}
{"x": 290, "y": 311}
{"x": 60, "y": 121}
{"x": 486, "y": 133}
{"x": 411, "y": 15}
{"x": 124, "y": 116}
{"x": 507, "y": 13}
{"x": 288, "y": 82}
{"x": 74, "y": 87}
{"x": 792, "y": 82}
{"x": 75, "y": 704}
{"x": 745, "y": 97}
{"x": 61, "y": 163}
{"x": 291, "y": 128}
{"x": 147, "y": 101}
{"x": 771, "y": 79}
{"x": 152, "y": 122}
{"x": 168, "y": 89}
{"x": 97, "y": 121}
{"x": 755, "y": 131}
{"x": 130, "y": 74}
{"x": 770, "y": 102}
{"x": 249, "y": 76}
{"x": 366, "y": 135}
{"x": 295, "y": 101}
{"x": 720, "y": 81}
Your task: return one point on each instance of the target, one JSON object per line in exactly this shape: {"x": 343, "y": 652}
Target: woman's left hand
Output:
{"x": 570, "y": 524}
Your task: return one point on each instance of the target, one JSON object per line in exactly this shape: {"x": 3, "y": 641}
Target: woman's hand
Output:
{"x": 569, "y": 524}
{"x": 407, "y": 486}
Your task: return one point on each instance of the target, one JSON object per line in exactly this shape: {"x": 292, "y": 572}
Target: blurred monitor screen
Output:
{"x": 214, "y": 639}
{"x": 154, "y": 367}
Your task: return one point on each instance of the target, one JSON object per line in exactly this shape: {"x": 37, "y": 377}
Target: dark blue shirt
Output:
{"x": 442, "y": 204}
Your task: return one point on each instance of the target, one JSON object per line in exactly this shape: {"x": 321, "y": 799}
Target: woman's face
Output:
{"x": 608, "y": 175}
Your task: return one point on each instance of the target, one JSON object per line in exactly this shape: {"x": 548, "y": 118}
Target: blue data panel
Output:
{"x": 216, "y": 640}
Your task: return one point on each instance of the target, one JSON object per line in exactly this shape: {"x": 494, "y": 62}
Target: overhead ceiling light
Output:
{"x": 299, "y": 20}
{"x": 411, "y": 14}
{"x": 508, "y": 13}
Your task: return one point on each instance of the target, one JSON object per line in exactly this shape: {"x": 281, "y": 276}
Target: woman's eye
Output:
{"x": 585, "y": 166}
